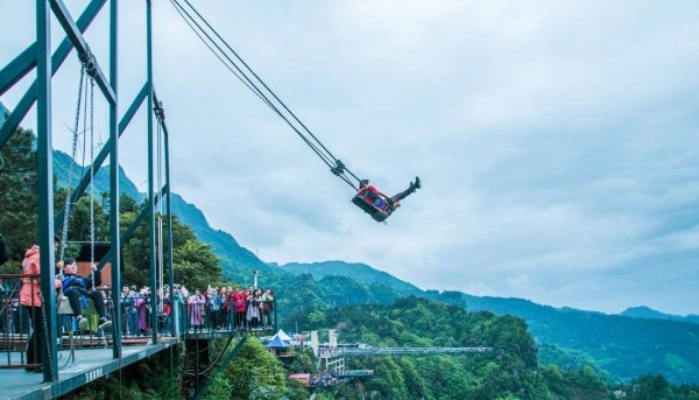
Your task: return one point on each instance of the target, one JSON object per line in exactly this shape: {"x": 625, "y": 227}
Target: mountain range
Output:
{"x": 637, "y": 342}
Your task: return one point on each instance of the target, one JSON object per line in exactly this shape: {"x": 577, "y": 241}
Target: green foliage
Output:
{"x": 296, "y": 390}
{"x": 220, "y": 388}
{"x": 509, "y": 371}
{"x": 256, "y": 374}
{"x": 18, "y": 193}
{"x": 625, "y": 347}
{"x": 302, "y": 360}
{"x": 656, "y": 387}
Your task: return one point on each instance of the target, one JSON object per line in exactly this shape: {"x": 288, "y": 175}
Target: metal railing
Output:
{"x": 14, "y": 324}
{"x": 16, "y": 327}
{"x": 190, "y": 320}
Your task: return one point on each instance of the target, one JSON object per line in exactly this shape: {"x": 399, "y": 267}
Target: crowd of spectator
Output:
{"x": 224, "y": 308}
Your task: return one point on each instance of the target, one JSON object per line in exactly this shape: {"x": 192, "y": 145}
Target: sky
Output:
{"x": 557, "y": 141}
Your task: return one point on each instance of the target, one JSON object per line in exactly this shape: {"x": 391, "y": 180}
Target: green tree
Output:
{"x": 256, "y": 374}
{"x": 195, "y": 264}
{"x": 18, "y": 193}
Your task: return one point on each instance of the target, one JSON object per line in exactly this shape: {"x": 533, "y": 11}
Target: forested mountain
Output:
{"x": 509, "y": 371}
{"x": 238, "y": 262}
{"x": 63, "y": 164}
{"x": 624, "y": 347}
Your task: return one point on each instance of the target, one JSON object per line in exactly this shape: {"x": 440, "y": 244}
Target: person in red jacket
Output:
{"x": 383, "y": 201}
{"x": 239, "y": 299}
{"x": 30, "y": 297}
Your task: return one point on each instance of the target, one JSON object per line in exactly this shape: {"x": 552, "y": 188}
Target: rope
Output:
{"x": 259, "y": 79}
{"x": 244, "y": 79}
{"x": 66, "y": 209}
{"x": 335, "y": 165}
{"x": 92, "y": 179}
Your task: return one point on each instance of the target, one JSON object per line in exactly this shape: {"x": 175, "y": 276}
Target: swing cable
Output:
{"x": 337, "y": 167}
{"x": 73, "y": 153}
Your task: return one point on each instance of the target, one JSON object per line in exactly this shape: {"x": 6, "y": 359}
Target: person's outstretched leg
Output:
{"x": 412, "y": 188}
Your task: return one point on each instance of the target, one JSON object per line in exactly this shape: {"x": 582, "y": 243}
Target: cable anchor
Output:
{"x": 339, "y": 168}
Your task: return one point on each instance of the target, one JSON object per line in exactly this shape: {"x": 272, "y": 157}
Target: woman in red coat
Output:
{"x": 30, "y": 297}
{"x": 239, "y": 299}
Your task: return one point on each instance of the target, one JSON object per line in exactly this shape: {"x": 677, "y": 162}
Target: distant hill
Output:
{"x": 361, "y": 273}
{"x": 625, "y": 347}
{"x": 649, "y": 313}
{"x": 63, "y": 163}
{"x": 238, "y": 262}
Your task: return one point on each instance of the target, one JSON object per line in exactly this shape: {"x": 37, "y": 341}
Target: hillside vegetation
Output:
{"x": 621, "y": 346}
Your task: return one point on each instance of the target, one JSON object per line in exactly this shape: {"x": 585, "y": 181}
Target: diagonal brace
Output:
{"x": 7, "y": 76}
{"x": 26, "y": 61}
{"x": 76, "y": 37}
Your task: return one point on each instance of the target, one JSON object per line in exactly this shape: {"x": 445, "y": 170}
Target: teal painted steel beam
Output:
{"x": 17, "y": 68}
{"x": 45, "y": 182}
{"x": 71, "y": 381}
{"x": 26, "y": 61}
{"x": 26, "y": 102}
{"x": 81, "y": 46}
{"x": 106, "y": 150}
{"x": 168, "y": 193}
{"x": 114, "y": 133}
{"x": 18, "y": 114}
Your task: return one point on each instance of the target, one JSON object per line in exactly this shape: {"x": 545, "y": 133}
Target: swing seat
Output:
{"x": 89, "y": 312}
{"x": 376, "y": 213}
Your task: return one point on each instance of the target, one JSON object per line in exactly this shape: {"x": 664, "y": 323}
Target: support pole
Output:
{"x": 114, "y": 177}
{"x": 45, "y": 181}
{"x": 171, "y": 268}
{"x": 151, "y": 179}
{"x": 45, "y": 178}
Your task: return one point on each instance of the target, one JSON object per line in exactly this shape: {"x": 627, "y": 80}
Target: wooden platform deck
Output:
{"x": 89, "y": 364}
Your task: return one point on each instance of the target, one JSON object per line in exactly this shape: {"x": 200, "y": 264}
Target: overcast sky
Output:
{"x": 557, "y": 141}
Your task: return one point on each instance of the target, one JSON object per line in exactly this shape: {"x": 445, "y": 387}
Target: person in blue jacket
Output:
{"x": 76, "y": 287}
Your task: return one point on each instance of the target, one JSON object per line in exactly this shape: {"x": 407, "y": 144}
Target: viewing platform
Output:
{"x": 89, "y": 365}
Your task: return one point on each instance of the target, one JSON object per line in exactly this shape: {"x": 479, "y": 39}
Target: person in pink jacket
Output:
{"x": 30, "y": 297}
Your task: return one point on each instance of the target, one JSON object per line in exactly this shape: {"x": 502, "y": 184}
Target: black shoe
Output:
{"x": 418, "y": 184}
{"x": 105, "y": 323}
